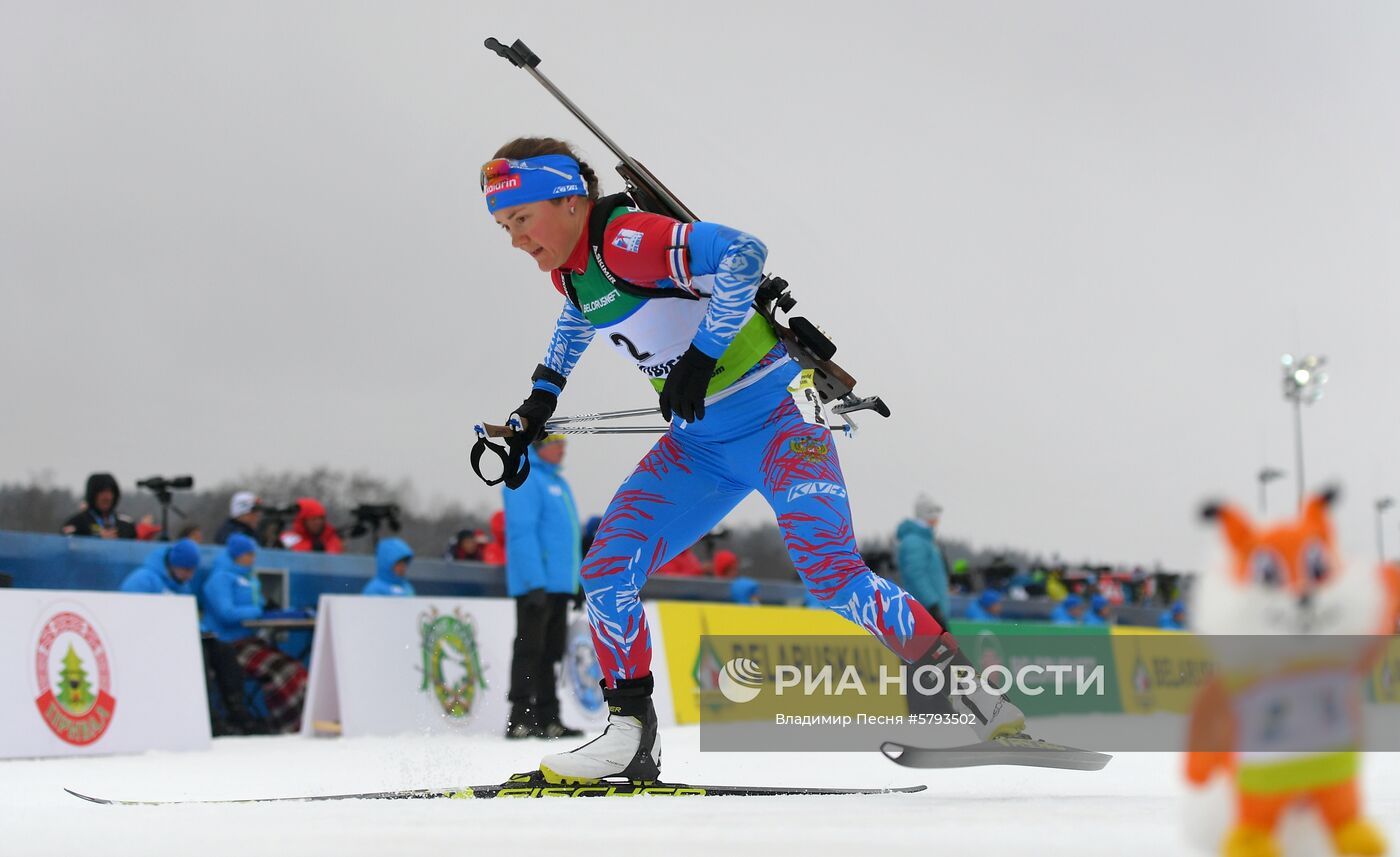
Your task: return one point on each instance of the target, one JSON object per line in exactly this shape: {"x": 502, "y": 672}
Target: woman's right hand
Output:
{"x": 534, "y": 412}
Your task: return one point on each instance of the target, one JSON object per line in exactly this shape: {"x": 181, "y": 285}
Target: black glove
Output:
{"x": 578, "y": 599}
{"x": 684, "y": 391}
{"x": 534, "y": 412}
{"x": 536, "y": 599}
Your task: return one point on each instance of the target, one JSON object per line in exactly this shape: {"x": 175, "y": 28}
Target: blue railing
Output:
{"x": 38, "y": 561}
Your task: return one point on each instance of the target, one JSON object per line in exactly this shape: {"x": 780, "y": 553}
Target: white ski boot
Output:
{"x": 629, "y": 747}
{"x": 996, "y": 716}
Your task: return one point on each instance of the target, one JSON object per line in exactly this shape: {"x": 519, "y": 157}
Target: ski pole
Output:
{"x": 487, "y": 430}
{"x": 604, "y": 415}
{"x": 573, "y": 429}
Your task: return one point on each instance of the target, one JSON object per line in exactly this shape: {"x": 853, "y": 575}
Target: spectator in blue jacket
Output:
{"x": 922, "y": 568}
{"x": 1069, "y": 611}
{"x": 1174, "y": 617}
{"x": 1099, "y": 607}
{"x": 166, "y": 569}
{"x": 743, "y": 590}
{"x": 542, "y": 563}
{"x": 232, "y": 596}
{"x": 391, "y": 577}
{"x": 231, "y": 593}
{"x": 172, "y": 569}
{"x": 987, "y": 607}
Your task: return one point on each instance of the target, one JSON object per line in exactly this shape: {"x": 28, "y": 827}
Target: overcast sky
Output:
{"x": 1066, "y": 241}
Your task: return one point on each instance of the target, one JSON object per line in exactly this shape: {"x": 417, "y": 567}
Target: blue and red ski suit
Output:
{"x": 753, "y": 437}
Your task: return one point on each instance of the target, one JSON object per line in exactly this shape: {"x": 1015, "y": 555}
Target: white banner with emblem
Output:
{"x": 383, "y": 666}
{"x": 89, "y": 673}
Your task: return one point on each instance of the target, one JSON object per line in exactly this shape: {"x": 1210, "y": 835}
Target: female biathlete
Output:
{"x": 676, "y": 300}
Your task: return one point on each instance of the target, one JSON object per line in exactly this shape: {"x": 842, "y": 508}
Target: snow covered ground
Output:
{"x": 1133, "y": 806}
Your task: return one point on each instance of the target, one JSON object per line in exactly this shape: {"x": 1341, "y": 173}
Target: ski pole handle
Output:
{"x": 495, "y": 431}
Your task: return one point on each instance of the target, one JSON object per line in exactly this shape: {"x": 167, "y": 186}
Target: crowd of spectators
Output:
{"x": 304, "y": 526}
{"x": 537, "y": 537}
{"x": 1080, "y": 596}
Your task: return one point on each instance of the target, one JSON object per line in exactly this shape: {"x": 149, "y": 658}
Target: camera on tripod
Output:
{"x": 369, "y": 517}
{"x": 164, "y": 485}
{"x": 280, "y": 512}
{"x": 161, "y": 486}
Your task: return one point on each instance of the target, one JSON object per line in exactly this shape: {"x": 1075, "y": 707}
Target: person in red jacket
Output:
{"x": 310, "y": 531}
{"x": 686, "y": 564}
{"x": 494, "y": 552}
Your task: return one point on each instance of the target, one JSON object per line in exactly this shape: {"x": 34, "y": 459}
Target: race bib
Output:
{"x": 809, "y": 402}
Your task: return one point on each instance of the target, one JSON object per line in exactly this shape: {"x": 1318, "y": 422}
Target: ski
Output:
{"x": 1008, "y": 750}
{"x": 531, "y": 785}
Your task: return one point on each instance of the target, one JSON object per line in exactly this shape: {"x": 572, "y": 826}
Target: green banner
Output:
{"x": 1086, "y": 650}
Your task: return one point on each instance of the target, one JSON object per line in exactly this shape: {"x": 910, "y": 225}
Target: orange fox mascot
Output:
{"x": 1281, "y": 716}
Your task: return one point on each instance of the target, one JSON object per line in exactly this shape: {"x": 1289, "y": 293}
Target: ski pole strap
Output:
{"x": 515, "y": 466}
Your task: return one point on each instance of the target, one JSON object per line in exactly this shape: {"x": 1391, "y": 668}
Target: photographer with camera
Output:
{"x": 310, "y": 531}
{"x": 244, "y": 514}
{"x": 99, "y": 518}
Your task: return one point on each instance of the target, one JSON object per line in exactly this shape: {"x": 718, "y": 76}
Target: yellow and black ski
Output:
{"x": 532, "y": 785}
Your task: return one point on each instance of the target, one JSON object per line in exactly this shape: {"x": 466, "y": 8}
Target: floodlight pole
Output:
{"x": 1382, "y": 504}
{"x": 1302, "y": 381}
{"x": 1298, "y": 445}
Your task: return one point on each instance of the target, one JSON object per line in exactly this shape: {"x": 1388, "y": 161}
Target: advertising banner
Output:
{"x": 88, "y": 673}
{"x": 1017, "y": 645}
{"x": 750, "y": 631}
{"x": 755, "y": 632}
{"x": 384, "y": 666}
{"x": 1159, "y": 670}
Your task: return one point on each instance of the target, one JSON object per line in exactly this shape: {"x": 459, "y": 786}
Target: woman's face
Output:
{"x": 547, "y": 230}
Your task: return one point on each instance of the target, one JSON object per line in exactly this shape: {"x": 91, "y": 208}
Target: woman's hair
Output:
{"x": 532, "y": 147}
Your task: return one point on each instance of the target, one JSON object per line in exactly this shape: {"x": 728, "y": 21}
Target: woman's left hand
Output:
{"x": 684, "y": 391}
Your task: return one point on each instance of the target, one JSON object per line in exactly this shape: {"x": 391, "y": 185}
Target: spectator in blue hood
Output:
{"x": 1174, "y": 617}
{"x": 987, "y": 607}
{"x": 542, "y": 562}
{"x": 391, "y": 558}
{"x": 1099, "y": 607}
{"x": 232, "y": 596}
{"x": 922, "y": 568}
{"x": 166, "y": 569}
{"x": 743, "y": 590}
{"x": 1069, "y": 611}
